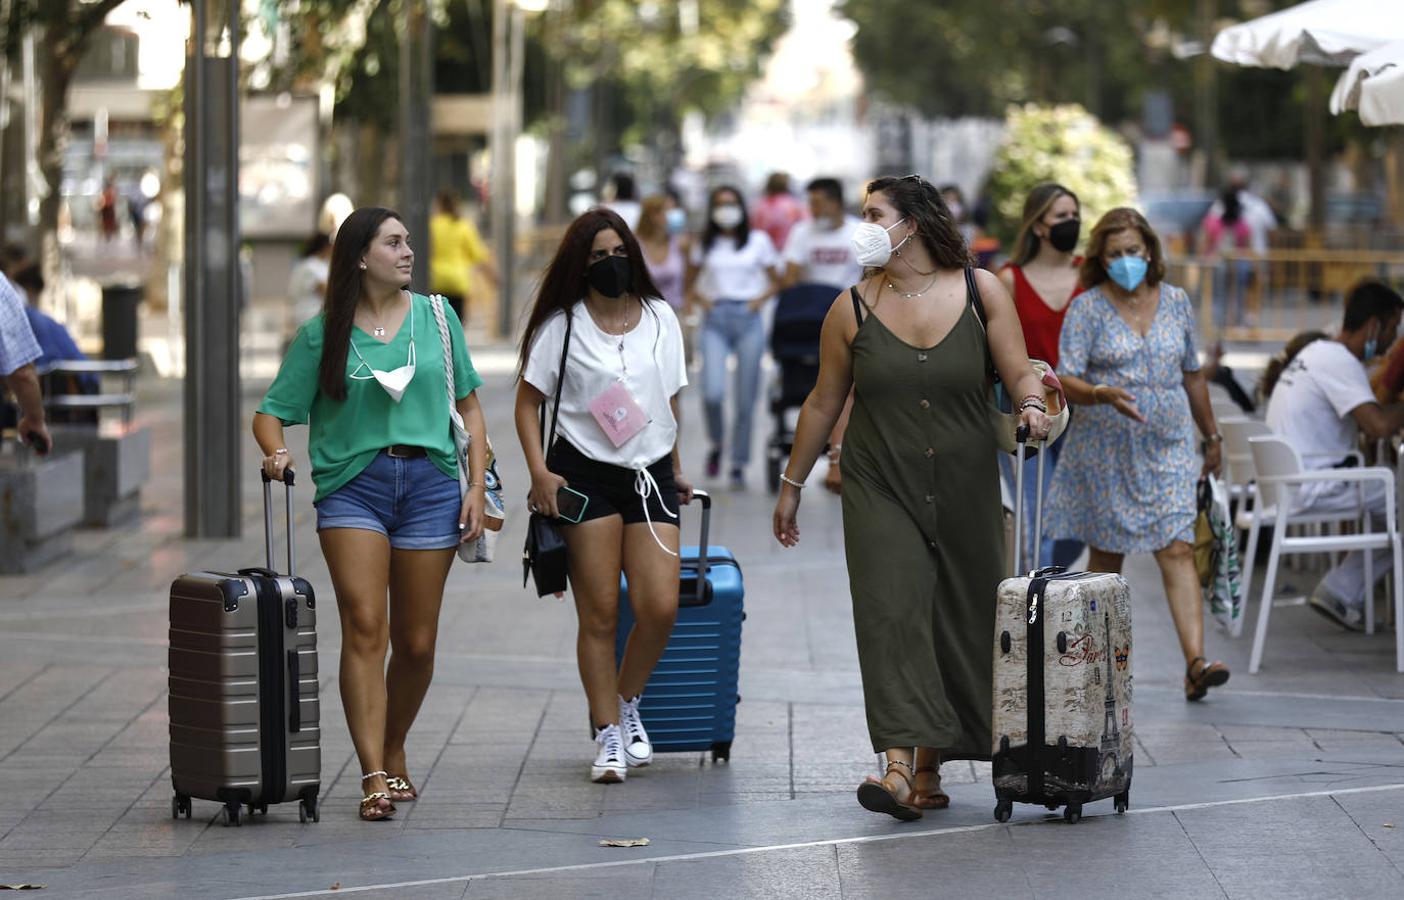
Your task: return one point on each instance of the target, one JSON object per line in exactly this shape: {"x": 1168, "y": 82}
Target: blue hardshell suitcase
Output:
{"x": 689, "y": 703}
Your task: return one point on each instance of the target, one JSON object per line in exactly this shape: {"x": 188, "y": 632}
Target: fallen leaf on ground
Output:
{"x": 1389, "y": 824}
{"x": 336, "y": 886}
{"x": 21, "y": 887}
{"x": 620, "y": 842}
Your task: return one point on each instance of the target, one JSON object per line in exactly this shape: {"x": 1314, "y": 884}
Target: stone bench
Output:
{"x": 41, "y": 502}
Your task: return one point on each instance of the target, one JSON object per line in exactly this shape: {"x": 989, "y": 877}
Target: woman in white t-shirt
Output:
{"x": 616, "y": 446}
{"x": 731, "y": 276}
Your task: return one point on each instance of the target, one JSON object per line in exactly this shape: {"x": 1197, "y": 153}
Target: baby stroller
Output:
{"x": 794, "y": 343}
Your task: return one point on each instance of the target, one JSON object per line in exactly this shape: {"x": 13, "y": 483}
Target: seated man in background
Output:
{"x": 1321, "y": 404}
{"x": 18, "y": 351}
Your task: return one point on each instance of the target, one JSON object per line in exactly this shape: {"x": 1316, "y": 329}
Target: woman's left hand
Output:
{"x": 1038, "y": 423}
{"x": 470, "y": 514}
{"x": 684, "y": 488}
{"x": 1213, "y": 459}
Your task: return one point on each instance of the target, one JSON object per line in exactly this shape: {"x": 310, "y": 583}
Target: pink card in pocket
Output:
{"x": 618, "y": 413}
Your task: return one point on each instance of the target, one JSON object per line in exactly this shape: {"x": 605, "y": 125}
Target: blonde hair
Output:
{"x": 649, "y": 210}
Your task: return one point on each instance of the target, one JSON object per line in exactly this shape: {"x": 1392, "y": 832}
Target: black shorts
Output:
{"x": 611, "y": 488}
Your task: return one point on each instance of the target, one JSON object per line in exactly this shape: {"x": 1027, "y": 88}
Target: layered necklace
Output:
{"x": 910, "y": 295}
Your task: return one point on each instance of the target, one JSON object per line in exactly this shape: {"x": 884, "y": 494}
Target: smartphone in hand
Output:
{"x": 571, "y": 504}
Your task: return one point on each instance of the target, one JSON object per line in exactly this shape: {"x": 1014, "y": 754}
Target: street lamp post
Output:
{"x": 213, "y": 497}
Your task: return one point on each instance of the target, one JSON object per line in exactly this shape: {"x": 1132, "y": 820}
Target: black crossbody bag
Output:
{"x": 544, "y": 556}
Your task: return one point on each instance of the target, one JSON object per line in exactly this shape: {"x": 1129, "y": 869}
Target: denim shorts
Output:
{"x": 410, "y": 501}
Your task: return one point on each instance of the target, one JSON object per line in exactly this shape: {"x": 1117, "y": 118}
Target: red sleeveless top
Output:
{"x": 1042, "y": 325}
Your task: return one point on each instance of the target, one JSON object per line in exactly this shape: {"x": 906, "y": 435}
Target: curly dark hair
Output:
{"x": 917, "y": 199}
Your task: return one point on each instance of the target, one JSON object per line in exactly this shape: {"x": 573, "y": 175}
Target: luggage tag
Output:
{"x": 618, "y": 413}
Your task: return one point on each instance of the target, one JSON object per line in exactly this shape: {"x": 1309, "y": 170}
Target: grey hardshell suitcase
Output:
{"x": 244, "y": 713}
{"x": 1062, "y": 682}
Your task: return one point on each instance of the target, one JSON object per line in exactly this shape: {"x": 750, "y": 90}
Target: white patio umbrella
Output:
{"x": 1323, "y": 32}
{"x": 1374, "y": 85}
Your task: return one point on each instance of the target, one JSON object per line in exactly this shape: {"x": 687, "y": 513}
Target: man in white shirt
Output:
{"x": 819, "y": 250}
{"x": 1321, "y": 405}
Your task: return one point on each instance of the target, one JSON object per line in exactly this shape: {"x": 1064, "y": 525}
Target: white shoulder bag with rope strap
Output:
{"x": 494, "y": 512}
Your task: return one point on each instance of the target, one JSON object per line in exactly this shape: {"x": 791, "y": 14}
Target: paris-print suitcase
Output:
{"x": 1062, "y": 684}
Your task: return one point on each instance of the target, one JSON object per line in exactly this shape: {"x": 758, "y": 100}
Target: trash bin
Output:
{"x": 119, "y": 319}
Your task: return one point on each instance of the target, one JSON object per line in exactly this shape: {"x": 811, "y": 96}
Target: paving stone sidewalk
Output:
{"x": 1290, "y": 783}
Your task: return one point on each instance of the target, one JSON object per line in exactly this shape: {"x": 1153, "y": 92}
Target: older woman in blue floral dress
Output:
{"x": 1126, "y": 480}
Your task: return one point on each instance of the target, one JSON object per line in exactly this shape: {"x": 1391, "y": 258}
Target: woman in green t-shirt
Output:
{"x": 389, "y": 511}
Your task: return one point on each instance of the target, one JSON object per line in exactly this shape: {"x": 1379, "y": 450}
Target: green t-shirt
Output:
{"x": 346, "y": 436}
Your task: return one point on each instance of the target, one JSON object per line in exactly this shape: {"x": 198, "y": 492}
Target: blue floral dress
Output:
{"x": 1123, "y": 486}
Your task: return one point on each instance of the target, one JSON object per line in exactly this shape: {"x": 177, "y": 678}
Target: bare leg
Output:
{"x": 1104, "y": 561}
{"x": 359, "y": 563}
{"x": 653, "y": 597}
{"x": 595, "y": 562}
{"x": 416, "y": 594}
{"x": 1181, "y": 582}
{"x": 926, "y": 786}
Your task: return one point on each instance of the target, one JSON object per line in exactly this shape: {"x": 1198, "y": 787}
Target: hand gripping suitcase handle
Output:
{"x": 702, "y": 562}
{"x": 288, "y": 477}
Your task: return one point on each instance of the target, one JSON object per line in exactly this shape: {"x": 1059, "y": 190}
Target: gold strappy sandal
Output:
{"x": 401, "y": 791}
{"x": 375, "y": 806}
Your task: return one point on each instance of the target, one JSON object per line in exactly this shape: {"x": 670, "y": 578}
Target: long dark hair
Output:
{"x": 564, "y": 282}
{"x": 1036, "y": 205}
{"x": 917, "y": 199}
{"x": 712, "y": 232}
{"x": 344, "y": 292}
{"x": 1233, "y": 206}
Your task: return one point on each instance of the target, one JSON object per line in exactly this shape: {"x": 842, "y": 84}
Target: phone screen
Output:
{"x": 571, "y": 504}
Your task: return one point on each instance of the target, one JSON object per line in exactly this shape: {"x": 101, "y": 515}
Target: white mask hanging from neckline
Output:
{"x": 396, "y": 380}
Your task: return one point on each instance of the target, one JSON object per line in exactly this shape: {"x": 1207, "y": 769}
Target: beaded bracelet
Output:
{"x": 798, "y": 485}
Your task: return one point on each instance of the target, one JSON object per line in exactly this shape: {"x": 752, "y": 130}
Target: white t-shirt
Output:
{"x": 732, "y": 273}
{"x": 824, "y": 255}
{"x": 656, "y": 370}
{"x": 1311, "y": 404}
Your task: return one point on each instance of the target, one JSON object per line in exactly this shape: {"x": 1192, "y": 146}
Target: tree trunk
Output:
{"x": 56, "y": 62}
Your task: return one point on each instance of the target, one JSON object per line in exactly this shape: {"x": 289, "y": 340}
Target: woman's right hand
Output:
{"x": 1120, "y": 400}
{"x": 786, "y": 509}
{"x": 542, "y": 497}
{"x": 275, "y": 463}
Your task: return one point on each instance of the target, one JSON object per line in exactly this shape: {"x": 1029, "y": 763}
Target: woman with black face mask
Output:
{"x": 1042, "y": 276}
{"x": 612, "y": 478}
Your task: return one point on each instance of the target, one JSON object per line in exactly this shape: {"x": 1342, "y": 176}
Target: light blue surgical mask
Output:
{"x": 1371, "y": 345}
{"x": 677, "y": 220}
{"x": 1128, "y": 271}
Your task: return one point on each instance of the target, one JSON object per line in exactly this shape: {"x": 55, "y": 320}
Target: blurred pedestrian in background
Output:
{"x": 922, "y": 521}
{"x": 960, "y": 213}
{"x": 457, "y": 254}
{"x": 778, "y": 210}
{"x": 1042, "y": 277}
{"x": 1225, "y": 227}
{"x": 662, "y": 235}
{"x": 1126, "y": 479}
{"x": 19, "y": 350}
{"x": 107, "y": 209}
{"x": 55, "y": 345}
{"x": 819, "y": 249}
{"x": 624, "y": 198}
{"x": 731, "y": 276}
{"x": 307, "y": 283}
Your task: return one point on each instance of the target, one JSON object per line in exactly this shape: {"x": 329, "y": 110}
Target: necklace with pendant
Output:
{"x": 913, "y": 294}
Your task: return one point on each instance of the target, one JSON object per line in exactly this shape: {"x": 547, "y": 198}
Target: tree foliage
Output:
{"x": 1065, "y": 144}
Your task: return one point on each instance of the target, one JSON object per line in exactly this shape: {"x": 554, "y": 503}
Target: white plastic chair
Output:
{"x": 1280, "y": 475}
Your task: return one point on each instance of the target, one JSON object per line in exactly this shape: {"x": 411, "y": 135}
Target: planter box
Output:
{"x": 41, "y": 502}
{"x": 118, "y": 464}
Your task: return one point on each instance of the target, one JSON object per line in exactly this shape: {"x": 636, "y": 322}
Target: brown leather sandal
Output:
{"x": 931, "y": 798}
{"x": 1211, "y": 674}
{"x": 401, "y": 790}
{"x": 875, "y": 796}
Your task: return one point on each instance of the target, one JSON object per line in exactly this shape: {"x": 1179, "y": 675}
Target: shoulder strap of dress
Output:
{"x": 857, "y": 304}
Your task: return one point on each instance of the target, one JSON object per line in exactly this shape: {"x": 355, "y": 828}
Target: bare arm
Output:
{"x": 1197, "y": 387}
{"x": 684, "y": 485}
{"x": 470, "y": 516}
{"x": 24, "y": 382}
{"x": 268, "y": 431}
{"x": 544, "y": 483}
{"x": 824, "y": 405}
{"x": 791, "y": 276}
{"x": 1379, "y": 422}
{"x": 1006, "y": 338}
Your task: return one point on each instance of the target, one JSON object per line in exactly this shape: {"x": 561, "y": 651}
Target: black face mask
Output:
{"x": 1063, "y": 236}
{"x": 610, "y": 276}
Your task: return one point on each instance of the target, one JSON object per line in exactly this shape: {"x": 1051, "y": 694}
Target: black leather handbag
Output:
{"x": 544, "y": 556}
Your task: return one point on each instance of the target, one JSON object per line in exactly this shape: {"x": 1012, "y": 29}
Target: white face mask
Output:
{"x": 871, "y": 245}
{"x": 394, "y": 381}
{"x": 727, "y": 216}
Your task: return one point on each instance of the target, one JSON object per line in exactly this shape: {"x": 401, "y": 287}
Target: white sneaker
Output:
{"x": 609, "y": 767}
{"x": 637, "y": 749}
{"x": 1322, "y": 600}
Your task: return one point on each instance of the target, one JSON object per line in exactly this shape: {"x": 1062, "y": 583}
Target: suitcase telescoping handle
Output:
{"x": 706, "y": 500}
{"x": 1021, "y": 437}
{"x": 288, "y": 478}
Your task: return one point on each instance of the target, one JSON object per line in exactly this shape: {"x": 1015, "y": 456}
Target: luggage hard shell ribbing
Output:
{"x": 244, "y": 713}
{"x": 689, "y": 703}
{"x": 1062, "y": 684}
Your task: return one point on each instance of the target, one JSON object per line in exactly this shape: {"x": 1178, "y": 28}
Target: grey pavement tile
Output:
{"x": 806, "y": 873}
{"x": 606, "y": 883}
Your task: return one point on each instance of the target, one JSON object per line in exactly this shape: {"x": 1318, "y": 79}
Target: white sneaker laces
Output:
{"x": 611, "y": 744}
{"x": 645, "y": 485}
{"x": 630, "y": 722}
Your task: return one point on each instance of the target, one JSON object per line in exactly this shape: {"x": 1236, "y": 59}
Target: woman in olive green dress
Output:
{"x": 922, "y": 519}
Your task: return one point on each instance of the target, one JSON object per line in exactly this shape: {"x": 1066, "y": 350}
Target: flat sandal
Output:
{"x": 932, "y": 798}
{"x": 875, "y": 796}
{"x": 401, "y": 791}
{"x": 375, "y": 806}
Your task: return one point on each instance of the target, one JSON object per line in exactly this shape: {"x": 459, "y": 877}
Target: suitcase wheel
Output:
{"x": 1072, "y": 813}
{"x": 1122, "y": 801}
{"x": 721, "y": 751}
{"x": 308, "y": 811}
{"x": 1003, "y": 810}
{"x": 180, "y": 804}
{"x": 231, "y": 814}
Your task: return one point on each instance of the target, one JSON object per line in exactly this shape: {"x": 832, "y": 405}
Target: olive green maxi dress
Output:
{"x": 924, "y": 536}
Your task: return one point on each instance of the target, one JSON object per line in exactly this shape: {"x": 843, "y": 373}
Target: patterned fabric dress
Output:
{"x": 1123, "y": 486}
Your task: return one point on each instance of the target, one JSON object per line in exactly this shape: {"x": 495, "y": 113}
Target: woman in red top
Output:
{"x": 1042, "y": 276}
